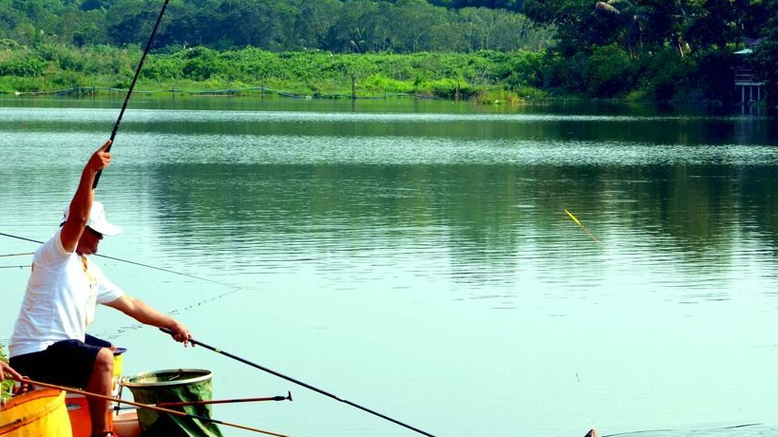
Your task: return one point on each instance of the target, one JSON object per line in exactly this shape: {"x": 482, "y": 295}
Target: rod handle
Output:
{"x": 107, "y": 149}
{"x": 97, "y": 179}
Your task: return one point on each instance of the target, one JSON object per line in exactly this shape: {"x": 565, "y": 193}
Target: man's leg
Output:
{"x": 100, "y": 383}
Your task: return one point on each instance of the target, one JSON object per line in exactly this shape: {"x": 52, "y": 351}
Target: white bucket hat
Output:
{"x": 97, "y": 220}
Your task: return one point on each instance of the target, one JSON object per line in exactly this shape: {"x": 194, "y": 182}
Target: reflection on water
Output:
{"x": 427, "y": 247}
{"x": 746, "y": 430}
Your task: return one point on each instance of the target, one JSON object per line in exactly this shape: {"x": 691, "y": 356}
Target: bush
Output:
{"x": 379, "y": 82}
{"x": 8, "y": 44}
{"x": 610, "y": 72}
{"x": 450, "y": 75}
{"x": 448, "y": 88}
{"x": 714, "y": 75}
{"x": 565, "y": 73}
{"x": 523, "y": 69}
{"x": 667, "y": 76}
{"x": 7, "y": 385}
{"x": 32, "y": 67}
{"x": 67, "y": 79}
{"x": 765, "y": 58}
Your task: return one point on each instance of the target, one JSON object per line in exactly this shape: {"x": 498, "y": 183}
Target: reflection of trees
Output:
{"x": 759, "y": 204}
{"x": 669, "y": 131}
{"x": 489, "y": 216}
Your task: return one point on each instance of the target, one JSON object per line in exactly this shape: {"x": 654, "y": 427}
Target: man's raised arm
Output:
{"x": 81, "y": 205}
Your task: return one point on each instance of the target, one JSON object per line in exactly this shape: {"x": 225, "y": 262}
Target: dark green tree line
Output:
{"x": 339, "y": 26}
{"x": 638, "y": 49}
{"x": 647, "y": 26}
{"x": 766, "y": 54}
{"x": 659, "y": 49}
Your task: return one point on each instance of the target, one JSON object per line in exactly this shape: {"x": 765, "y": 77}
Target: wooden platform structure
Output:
{"x": 750, "y": 87}
{"x": 746, "y": 81}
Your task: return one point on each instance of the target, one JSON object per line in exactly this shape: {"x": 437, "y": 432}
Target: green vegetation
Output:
{"x": 298, "y": 46}
{"x": 338, "y": 26}
{"x": 6, "y": 386}
{"x": 766, "y": 55}
{"x": 681, "y": 50}
{"x": 485, "y": 75}
{"x": 674, "y": 51}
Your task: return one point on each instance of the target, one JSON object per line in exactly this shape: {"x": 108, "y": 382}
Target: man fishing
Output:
{"x": 49, "y": 343}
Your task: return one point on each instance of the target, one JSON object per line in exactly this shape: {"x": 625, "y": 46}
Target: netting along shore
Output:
{"x": 247, "y": 91}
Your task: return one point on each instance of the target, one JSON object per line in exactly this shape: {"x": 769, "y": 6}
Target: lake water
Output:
{"x": 418, "y": 258}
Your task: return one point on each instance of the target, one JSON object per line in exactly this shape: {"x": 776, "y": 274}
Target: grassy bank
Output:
{"x": 485, "y": 76}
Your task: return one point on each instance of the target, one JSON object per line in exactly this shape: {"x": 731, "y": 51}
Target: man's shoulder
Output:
{"x": 52, "y": 252}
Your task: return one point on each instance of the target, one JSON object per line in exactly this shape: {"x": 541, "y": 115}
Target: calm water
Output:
{"x": 416, "y": 258}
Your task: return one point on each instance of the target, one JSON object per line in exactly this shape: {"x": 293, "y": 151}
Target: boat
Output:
{"x": 52, "y": 412}
{"x": 124, "y": 422}
{"x": 49, "y": 410}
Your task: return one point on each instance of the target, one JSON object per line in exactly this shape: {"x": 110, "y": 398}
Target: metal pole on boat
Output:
{"x": 151, "y": 407}
{"x": 132, "y": 85}
{"x": 300, "y": 383}
{"x": 221, "y": 401}
{"x": 288, "y": 397}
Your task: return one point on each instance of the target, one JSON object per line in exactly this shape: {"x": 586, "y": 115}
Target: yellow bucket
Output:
{"x": 35, "y": 414}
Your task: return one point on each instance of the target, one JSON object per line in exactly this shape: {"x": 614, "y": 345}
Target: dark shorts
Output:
{"x": 67, "y": 362}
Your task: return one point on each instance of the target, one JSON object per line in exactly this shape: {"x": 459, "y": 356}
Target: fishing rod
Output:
{"x": 300, "y": 383}
{"x": 199, "y": 278}
{"x": 132, "y": 86}
{"x": 152, "y": 407}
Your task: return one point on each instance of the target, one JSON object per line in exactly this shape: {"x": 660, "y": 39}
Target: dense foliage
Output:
{"x": 481, "y": 74}
{"x": 766, "y": 54}
{"x": 6, "y": 386}
{"x": 350, "y": 26}
{"x": 647, "y": 26}
{"x": 664, "y": 50}
{"x": 674, "y": 50}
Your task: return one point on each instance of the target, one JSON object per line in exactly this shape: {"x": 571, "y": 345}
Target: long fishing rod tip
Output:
{"x": 289, "y": 396}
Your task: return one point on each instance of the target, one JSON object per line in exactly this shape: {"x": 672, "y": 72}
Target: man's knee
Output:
{"x": 104, "y": 362}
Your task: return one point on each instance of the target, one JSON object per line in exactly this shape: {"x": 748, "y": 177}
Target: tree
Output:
{"x": 511, "y": 5}
{"x": 314, "y": 22}
{"x": 765, "y": 56}
{"x": 629, "y": 17}
{"x": 579, "y": 26}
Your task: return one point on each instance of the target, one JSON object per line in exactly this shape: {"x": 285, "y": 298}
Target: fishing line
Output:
{"x": 161, "y": 269}
{"x": 132, "y": 86}
{"x": 118, "y": 332}
{"x": 121, "y": 330}
{"x": 17, "y": 254}
{"x": 580, "y": 225}
{"x": 300, "y": 383}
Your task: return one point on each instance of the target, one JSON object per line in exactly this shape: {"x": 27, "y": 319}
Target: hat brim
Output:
{"x": 105, "y": 228}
